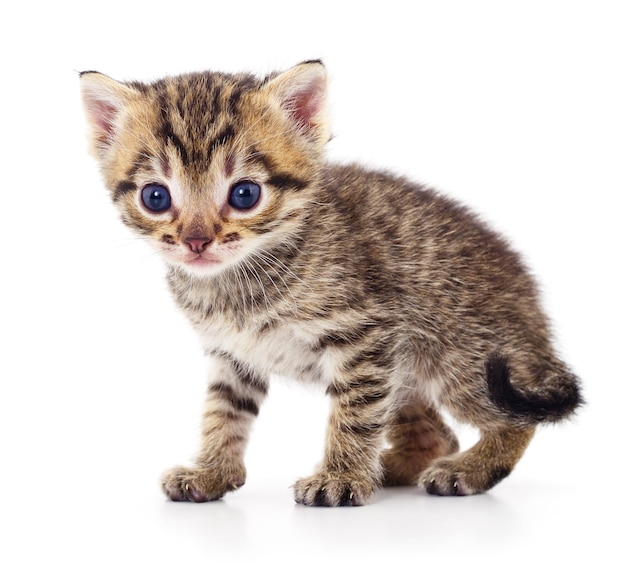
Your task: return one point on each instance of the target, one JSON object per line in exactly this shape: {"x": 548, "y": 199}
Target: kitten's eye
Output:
{"x": 244, "y": 195}
{"x": 156, "y": 198}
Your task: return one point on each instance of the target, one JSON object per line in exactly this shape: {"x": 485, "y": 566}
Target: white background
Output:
{"x": 516, "y": 108}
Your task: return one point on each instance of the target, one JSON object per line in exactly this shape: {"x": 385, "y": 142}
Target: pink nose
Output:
{"x": 198, "y": 245}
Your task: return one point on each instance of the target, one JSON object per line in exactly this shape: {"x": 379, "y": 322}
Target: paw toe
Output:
{"x": 199, "y": 485}
{"x": 446, "y": 485}
{"x": 325, "y": 491}
{"x": 445, "y": 478}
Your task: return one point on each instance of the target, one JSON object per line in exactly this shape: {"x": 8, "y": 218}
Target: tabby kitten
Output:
{"x": 395, "y": 299}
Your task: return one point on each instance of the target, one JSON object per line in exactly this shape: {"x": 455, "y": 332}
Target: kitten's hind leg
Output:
{"x": 234, "y": 397}
{"x": 417, "y": 436}
{"x": 479, "y": 468}
{"x": 506, "y": 417}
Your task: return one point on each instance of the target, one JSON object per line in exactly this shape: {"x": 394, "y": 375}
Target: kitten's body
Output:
{"x": 393, "y": 298}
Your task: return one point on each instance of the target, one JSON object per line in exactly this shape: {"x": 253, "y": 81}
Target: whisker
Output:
{"x": 262, "y": 265}
{"x": 241, "y": 289}
{"x": 268, "y": 263}
{"x": 271, "y": 258}
{"x": 260, "y": 282}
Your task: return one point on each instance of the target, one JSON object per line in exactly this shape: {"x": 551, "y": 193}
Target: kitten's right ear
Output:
{"x": 104, "y": 99}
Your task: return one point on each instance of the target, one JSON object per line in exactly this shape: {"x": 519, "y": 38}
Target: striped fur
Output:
{"x": 394, "y": 299}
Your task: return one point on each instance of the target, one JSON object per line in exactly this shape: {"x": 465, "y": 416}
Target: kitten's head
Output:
{"x": 210, "y": 167}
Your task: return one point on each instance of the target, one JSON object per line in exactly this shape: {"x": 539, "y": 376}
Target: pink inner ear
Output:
{"x": 103, "y": 116}
{"x": 303, "y": 99}
{"x": 305, "y": 106}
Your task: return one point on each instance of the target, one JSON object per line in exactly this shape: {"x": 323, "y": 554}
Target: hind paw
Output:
{"x": 453, "y": 477}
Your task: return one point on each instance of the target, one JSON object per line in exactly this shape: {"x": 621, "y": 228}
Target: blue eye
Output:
{"x": 244, "y": 195}
{"x": 156, "y": 198}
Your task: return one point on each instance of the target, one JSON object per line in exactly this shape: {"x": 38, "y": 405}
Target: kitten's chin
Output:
{"x": 200, "y": 267}
{"x": 204, "y": 267}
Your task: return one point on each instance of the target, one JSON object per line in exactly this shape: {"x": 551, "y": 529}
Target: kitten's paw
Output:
{"x": 453, "y": 476}
{"x": 333, "y": 490}
{"x": 443, "y": 478}
{"x": 199, "y": 485}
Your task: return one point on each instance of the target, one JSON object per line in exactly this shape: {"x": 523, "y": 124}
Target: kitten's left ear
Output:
{"x": 301, "y": 93}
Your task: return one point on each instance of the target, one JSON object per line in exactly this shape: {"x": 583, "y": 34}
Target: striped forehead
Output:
{"x": 197, "y": 114}
{"x": 192, "y": 134}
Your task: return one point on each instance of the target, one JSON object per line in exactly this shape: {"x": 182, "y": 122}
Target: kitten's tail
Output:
{"x": 557, "y": 398}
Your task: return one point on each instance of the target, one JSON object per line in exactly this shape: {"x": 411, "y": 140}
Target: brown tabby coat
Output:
{"x": 395, "y": 299}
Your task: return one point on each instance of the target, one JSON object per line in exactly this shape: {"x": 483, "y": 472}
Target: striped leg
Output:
{"x": 417, "y": 436}
{"x": 479, "y": 468}
{"x": 351, "y": 469}
{"x": 234, "y": 397}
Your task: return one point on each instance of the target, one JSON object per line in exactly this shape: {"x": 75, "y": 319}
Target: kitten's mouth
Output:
{"x": 202, "y": 261}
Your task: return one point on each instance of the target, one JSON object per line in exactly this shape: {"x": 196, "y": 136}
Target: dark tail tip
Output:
{"x": 557, "y": 398}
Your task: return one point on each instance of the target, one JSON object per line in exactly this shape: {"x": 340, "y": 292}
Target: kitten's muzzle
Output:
{"x": 198, "y": 245}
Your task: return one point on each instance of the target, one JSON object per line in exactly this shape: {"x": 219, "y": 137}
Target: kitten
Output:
{"x": 395, "y": 299}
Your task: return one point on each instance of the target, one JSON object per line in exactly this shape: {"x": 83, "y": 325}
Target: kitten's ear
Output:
{"x": 301, "y": 93}
{"x": 104, "y": 99}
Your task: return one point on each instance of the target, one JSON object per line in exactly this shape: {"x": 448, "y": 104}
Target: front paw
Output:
{"x": 201, "y": 484}
{"x": 333, "y": 490}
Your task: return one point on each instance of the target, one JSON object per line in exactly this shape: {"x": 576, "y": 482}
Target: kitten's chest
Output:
{"x": 271, "y": 348}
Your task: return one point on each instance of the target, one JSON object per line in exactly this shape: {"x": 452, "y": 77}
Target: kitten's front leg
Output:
{"x": 351, "y": 470}
{"x": 234, "y": 396}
